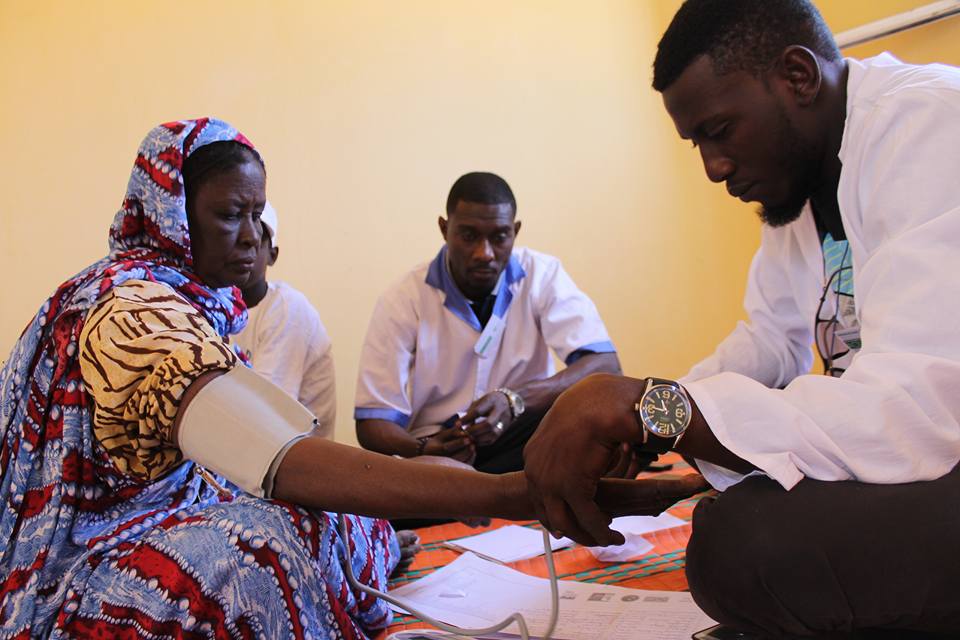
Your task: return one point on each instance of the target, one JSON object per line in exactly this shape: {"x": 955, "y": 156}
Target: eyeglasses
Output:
{"x": 830, "y": 346}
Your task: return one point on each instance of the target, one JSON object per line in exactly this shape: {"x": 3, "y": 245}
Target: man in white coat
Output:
{"x": 838, "y": 505}
{"x": 457, "y": 359}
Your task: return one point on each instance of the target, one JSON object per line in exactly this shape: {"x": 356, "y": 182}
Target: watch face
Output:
{"x": 518, "y": 405}
{"x": 665, "y": 411}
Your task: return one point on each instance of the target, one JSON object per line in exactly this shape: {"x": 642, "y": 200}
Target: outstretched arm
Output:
{"x": 320, "y": 474}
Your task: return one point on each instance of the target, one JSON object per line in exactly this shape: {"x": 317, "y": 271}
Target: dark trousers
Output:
{"x": 829, "y": 559}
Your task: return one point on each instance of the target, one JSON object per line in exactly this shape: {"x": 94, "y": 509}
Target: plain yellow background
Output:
{"x": 366, "y": 111}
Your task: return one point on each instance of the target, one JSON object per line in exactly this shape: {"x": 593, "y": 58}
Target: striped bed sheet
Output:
{"x": 661, "y": 569}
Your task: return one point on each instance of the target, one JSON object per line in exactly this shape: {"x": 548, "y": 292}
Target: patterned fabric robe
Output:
{"x": 89, "y": 546}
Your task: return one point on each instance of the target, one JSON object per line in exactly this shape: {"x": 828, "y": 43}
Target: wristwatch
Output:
{"x": 515, "y": 400}
{"x": 663, "y": 412}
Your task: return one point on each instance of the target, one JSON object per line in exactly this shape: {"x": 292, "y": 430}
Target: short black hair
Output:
{"x": 213, "y": 159}
{"x": 480, "y": 187}
{"x": 739, "y": 35}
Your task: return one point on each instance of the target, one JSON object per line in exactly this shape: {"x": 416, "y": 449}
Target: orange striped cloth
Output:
{"x": 661, "y": 569}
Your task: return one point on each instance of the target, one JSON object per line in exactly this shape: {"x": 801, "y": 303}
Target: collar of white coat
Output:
{"x": 439, "y": 277}
{"x": 856, "y": 73}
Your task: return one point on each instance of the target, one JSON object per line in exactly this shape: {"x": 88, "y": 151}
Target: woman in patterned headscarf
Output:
{"x": 106, "y": 529}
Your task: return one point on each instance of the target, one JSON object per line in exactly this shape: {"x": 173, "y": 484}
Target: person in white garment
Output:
{"x": 457, "y": 358}
{"x": 838, "y": 505}
{"x": 284, "y": 339}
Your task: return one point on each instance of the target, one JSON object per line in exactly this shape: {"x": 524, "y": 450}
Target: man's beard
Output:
{"x": 799, "y": 159}
{"x": 781, "y": 215}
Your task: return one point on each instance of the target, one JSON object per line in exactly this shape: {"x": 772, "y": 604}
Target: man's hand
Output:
{"x": 451, "y": 443}
{"x": 577, "y": 443}
{"x": 627, "y": 464}
{"x": 488, "y": 411}
{"x": 648, "y": 497}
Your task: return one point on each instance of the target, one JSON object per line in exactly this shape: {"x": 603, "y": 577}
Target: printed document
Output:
{"x": 472, "y": 592}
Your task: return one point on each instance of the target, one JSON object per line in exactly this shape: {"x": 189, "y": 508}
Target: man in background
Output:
{"x": 457, "y": 358}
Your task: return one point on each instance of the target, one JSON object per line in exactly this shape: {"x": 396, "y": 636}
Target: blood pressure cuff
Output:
{"x": 240, "y": 425}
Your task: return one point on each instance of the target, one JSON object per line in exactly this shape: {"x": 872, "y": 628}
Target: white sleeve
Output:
{"x": 773, "y": 347}
{"x": 279, "y": 354}
{"x": 319, "y": 388}
{"x": 569, "y": 319}
{"x": 893, "y": 416}
{"x": 386, "y": 358}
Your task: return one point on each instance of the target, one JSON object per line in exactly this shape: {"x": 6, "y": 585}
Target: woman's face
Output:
{"x": 224, "y": 220}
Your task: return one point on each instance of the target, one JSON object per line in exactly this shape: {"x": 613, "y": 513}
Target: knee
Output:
{"x": 735, "y": 555}
{"x": 716, "y": 560}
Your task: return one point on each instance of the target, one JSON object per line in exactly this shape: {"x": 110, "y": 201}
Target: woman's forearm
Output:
{"x": 321, "y": 474}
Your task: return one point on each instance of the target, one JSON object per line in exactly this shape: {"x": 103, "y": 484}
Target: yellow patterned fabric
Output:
{"x": 140, "y": 349}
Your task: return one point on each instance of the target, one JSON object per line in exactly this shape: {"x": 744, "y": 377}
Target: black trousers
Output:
{"x": 830, "y": 559}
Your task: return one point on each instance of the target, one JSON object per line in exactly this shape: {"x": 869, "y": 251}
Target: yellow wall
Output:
{"x": 366, "y": 111}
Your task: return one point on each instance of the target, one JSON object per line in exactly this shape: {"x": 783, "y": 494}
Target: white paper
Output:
{"x": 471, "y": 592}
{"x": 638, "y": 525}
{"x": 634, "y": 547}
{"x": 508, "y": 544}
{"x": 633, "y": 528}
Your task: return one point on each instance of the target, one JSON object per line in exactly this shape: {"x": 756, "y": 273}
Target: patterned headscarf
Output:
{"x": 56, "y": 483}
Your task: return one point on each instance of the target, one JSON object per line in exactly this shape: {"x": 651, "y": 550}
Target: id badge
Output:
{"x": 490, "y": 338}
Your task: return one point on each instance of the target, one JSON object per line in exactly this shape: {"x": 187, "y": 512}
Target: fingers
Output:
{"x": 493, "y": 406}
{"x": 623, "y": 462}
{"x": 451, "y": 435}
{"x": 450, "y": 442}
{"x": 595, "y": 522}
{"x": 686, "y": 486}
{"x": 409, "y": 548}
{"x": 484, "y": 432}
{"x": 480, "y": 407}
{"x": 455, "y": 446}
{"x": 539, "y": 509}
{"x": 646, "y": 497}
{"x": 563, "y": 523}
{"x": 409, "y": 544}
{"x": 474, "y": 523}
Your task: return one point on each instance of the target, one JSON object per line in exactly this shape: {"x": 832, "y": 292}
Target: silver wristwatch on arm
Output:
{"x": 515, "y": 400}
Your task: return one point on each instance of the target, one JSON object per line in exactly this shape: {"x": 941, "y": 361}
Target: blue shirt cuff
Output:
{"x": 594, "y": 347}
{"x": 390, "y": 415}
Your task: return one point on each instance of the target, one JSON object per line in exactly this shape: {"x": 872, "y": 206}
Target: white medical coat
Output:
{"x": 420, "y": 361}
{"x": 893, "y": 416}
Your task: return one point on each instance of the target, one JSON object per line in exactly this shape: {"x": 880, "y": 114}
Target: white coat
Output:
{"x": 894, "y": 416}
{"x": 425, "y": 356}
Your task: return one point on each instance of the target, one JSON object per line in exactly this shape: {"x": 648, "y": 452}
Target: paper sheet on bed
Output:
{"x": 508, "y": 544}
{"x": 472, "y": 592}
{"x": 633, "y": 528}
